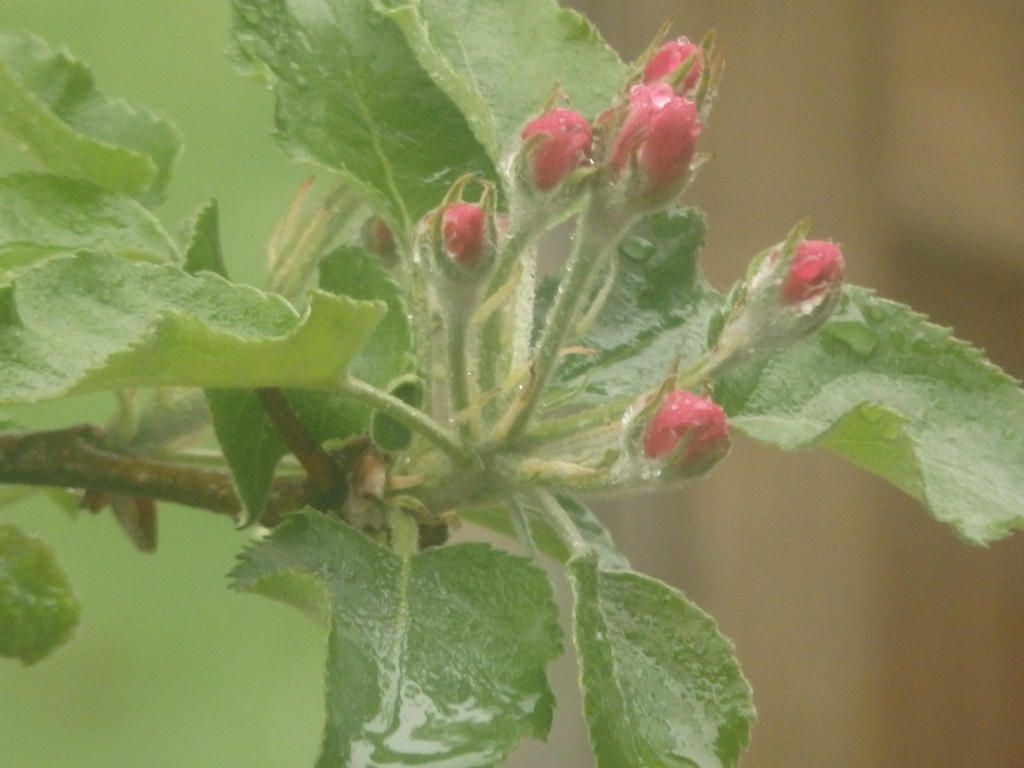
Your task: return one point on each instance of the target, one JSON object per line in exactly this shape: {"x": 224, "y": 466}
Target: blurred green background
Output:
{"x": 168, "y": 667}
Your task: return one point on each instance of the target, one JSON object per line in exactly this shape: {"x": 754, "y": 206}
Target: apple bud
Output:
{"x": 464, "y": 230}
{"x": 660, "y": 133}
{"x": 817, "y": 268}
{"x": 562, "y": 145}
{"x": 693, "y": 427}
{"x": 670, "y": 57}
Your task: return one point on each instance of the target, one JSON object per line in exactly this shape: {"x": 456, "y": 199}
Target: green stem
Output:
{"x": 458, "y": 364}
{"x": 519, "y": 241}
{"x": 411, "y": 417}
{"x": 492, "y": 347}
{"x": 567, "y": 426}
{"x": 560, "y": 521}
{"x": 598, "y": 230}
{"x": 404, "y": 532}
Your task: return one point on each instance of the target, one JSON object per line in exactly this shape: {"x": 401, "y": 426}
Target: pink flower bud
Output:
{"x": 463, "y": 226}
{"x": 669, "y": 57}
{"x": 817, "y": 266}
{"x": 696, "y": 422}
{"x": 564, "y": 149}
{"x": 660, "y": 131}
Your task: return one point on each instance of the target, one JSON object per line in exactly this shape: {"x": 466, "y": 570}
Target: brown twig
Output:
{"x": 76, "y": 458}
{"x": 326, "y": 478}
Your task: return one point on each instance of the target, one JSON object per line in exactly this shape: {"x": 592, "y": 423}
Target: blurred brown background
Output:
{"x": 871, "y": 635}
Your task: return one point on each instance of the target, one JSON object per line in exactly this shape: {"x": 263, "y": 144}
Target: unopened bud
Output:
{"x": 691, "y": 427}
{"x": 816, "y": 269}
{"x": 562, "y": 146}
{"x": 660, "y": 133}
{"x": 670, "y": 57}
{"x": 464, "y": 229}
{"x": 791, "y": 289}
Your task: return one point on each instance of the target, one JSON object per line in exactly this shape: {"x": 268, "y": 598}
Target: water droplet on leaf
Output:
{"x": 637, "y": 248}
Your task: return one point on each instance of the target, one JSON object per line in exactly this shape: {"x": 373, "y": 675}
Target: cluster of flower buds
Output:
{"x": 647, "y": 142}
{"x": 688, "y": 432}
{"x": 642, "y": 152}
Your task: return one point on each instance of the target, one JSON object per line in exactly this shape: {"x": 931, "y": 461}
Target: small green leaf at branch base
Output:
{"x": 661, "y": 687}
{"x": 435, "y": 659}
{"x": 37, "y": 609}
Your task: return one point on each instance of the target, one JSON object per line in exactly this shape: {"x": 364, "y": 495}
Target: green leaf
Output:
{"x": 43, "y": 215}
{"x": 500, "y": 60}
{"x": 437, "y": 659}
{"x": 350, "y": 271}
{"x": 49, "y": 103}
{"x": 657, "y": 310}
{"x": 351, "y": 96}
{"x": 252, "y": 446}
{"x": 203, "y": 252}
{"x": 661, "y": 687}
{"x": 124, "y": 323}
{"x": 37, "y": 609}
{"x": 895, "y": 394}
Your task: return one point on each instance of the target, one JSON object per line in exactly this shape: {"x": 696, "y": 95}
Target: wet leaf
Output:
{"x": 49, "y": 103}
{"x": 135, "y": 324}
{"x": 43, "y": 215}
{"x": 657, "y": 310}
{"x": 903, "y": 398}
{"x": 500, "y": 60}
{"x": 437, "y": 659}
{"x": 661, "y": 687}
{"x": 37, "y": 608}
{"x": 350, "y": 96}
